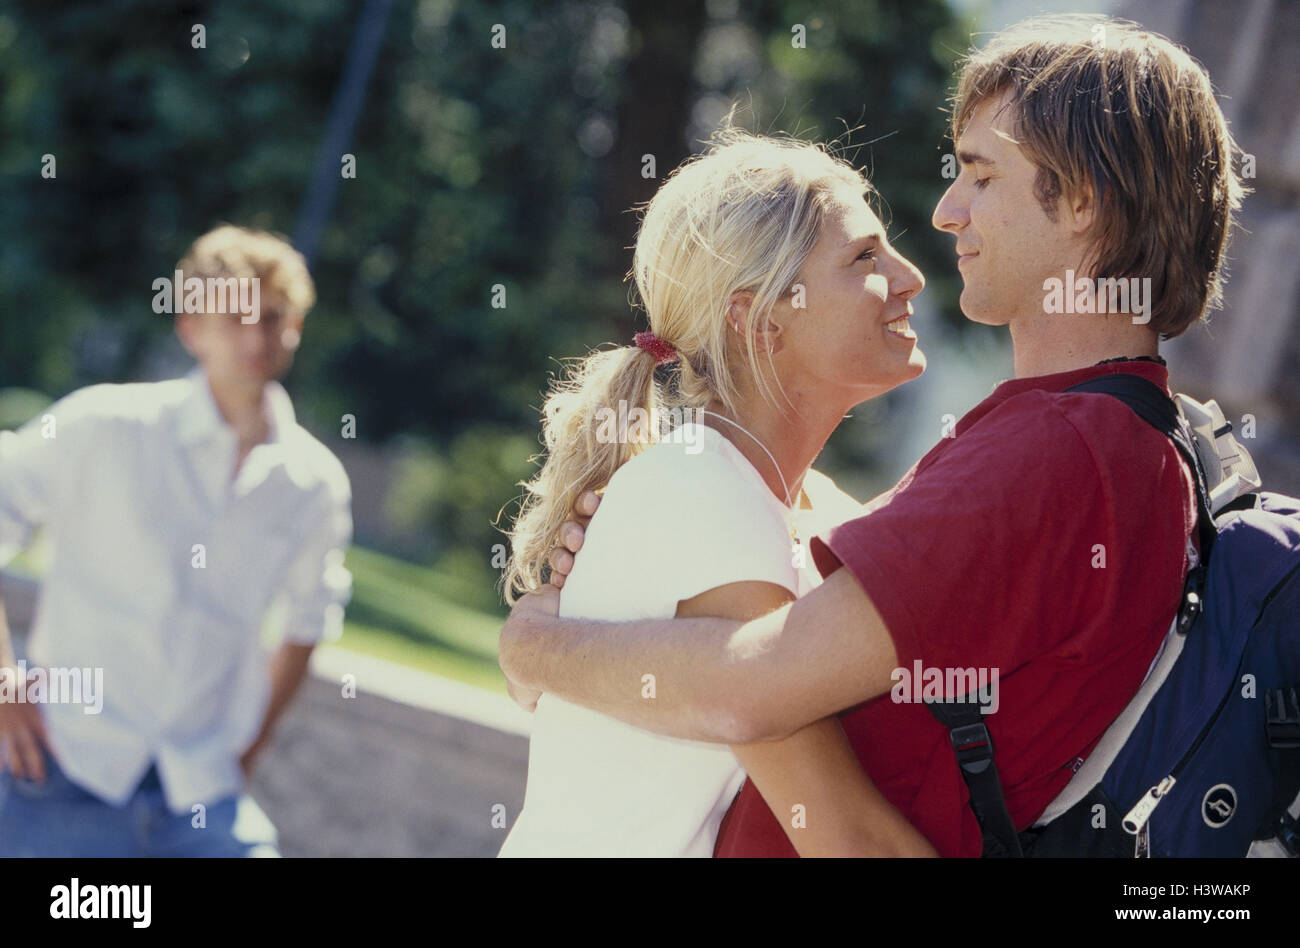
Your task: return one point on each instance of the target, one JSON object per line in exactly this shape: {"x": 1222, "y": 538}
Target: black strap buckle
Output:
{"x": 1282, "y": 718}
{"x": 973, "y": 746}
{"x": 1193, "y": 602}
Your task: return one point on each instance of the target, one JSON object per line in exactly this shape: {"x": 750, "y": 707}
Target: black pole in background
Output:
{"x": 346, "y": 107}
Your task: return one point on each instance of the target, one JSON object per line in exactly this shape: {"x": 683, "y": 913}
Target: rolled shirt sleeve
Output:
{"x": 319, "y": 585}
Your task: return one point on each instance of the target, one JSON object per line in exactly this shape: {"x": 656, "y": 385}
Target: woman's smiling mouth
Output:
{"x": 900, "y": 327}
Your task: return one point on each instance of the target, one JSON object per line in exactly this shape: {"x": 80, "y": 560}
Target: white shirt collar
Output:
{"x": 198, "y": 417}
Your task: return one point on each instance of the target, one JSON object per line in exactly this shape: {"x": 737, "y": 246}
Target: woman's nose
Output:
{"x": 907, "y": 279}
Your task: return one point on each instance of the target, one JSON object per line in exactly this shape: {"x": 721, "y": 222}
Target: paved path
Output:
{"x": 373, "y": 776}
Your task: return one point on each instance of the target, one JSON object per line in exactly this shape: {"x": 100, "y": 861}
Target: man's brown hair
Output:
{"x": 1102, "y": 103}
{"x": 229, "y": 251}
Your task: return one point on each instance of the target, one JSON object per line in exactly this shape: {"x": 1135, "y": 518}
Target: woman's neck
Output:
{"x": 794, "y": 439}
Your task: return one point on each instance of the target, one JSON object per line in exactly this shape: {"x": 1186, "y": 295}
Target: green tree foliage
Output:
{"x": 480, "y": 172}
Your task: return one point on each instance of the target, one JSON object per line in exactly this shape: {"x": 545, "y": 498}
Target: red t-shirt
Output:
{"x": 989, "y": 553}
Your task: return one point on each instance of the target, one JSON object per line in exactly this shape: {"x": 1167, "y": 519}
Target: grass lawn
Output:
{"x": 416, "y": 616}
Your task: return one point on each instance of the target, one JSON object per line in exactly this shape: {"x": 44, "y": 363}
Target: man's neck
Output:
{"x": 243, "y": 408}
{"x": 1047, "y": 344}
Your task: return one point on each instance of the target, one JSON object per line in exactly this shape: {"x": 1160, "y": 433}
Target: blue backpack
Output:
{"x": 1205, "y": 759}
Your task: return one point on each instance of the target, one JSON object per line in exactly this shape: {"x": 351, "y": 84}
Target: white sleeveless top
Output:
{"x": 686, "y": 515}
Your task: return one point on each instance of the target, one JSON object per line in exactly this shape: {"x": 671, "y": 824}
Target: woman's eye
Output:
{"x": 867, "y": 254}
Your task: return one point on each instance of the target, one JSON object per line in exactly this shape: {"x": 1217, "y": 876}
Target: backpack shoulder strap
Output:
{"x": 973, "y": 745}
{"x": 970, "y": 738}
{"x": 1149, "y": 402}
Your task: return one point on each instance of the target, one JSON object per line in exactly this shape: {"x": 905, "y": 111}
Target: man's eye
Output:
{"x": 981, "y": 183}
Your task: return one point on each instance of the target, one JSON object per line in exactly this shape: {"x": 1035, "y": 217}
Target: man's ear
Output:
{"x": 1081, "y": 209}
{"x": 187, "y": 332}
{"x": 291, "y": 334}
{"x": 766, "y": 339}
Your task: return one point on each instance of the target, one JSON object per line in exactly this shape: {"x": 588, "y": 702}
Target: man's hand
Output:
{"x": 22, "y": 730}
{"x": 544, "y": 603}
{"x": 248, "y": 759}
{"x": 572, "y": 533}
{"x": 288, "y": 669}
{"x": 511, "y": 650}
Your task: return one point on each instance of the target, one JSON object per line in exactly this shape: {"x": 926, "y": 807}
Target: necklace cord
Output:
{"x": 784, "y": 486}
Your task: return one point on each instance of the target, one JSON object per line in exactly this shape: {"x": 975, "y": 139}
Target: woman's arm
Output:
{"x": 812, "y": 780}
{"x": 827, "y": 805}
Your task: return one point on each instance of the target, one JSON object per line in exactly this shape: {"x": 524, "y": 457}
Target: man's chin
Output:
{"x": 981, "y": 311}
{"x": 264, "y": 374}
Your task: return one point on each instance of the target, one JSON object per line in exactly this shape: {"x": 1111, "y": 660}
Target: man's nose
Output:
{"x": 254, "y": 338}
{"x": 951, "y": 213}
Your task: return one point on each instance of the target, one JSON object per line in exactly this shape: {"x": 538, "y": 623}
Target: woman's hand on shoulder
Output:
{"x": 572, "y": 533}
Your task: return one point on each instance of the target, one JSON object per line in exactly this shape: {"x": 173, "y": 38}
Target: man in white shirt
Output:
{"x": 178, "y": 512}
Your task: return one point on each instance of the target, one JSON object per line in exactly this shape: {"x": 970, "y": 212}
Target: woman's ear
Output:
{"x": 766, "y": 339}
{"x": 738, "y": 311}
{"x": 769, "y": 339}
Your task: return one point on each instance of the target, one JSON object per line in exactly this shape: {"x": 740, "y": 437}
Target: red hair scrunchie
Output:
{"x": 662, "y": 351}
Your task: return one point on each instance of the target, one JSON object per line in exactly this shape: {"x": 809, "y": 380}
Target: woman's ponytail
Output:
{"x": 587, "y": 436}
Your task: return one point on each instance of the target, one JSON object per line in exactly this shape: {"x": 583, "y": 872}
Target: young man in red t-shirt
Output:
{"x": 1045, "y": 543}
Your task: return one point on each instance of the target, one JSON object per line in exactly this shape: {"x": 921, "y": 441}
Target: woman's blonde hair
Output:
{"x": 741, "y": 217}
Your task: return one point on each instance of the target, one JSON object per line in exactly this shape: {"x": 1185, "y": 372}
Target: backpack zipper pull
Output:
{"x": 1142, "y": 845}
{"x": 1137, "y": 817}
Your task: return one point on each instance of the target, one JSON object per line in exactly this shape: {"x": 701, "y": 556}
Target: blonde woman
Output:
{"x": 777, "y": 304}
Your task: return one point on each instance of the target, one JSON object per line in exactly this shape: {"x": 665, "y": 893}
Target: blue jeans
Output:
{"x": 59, "y": 818}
